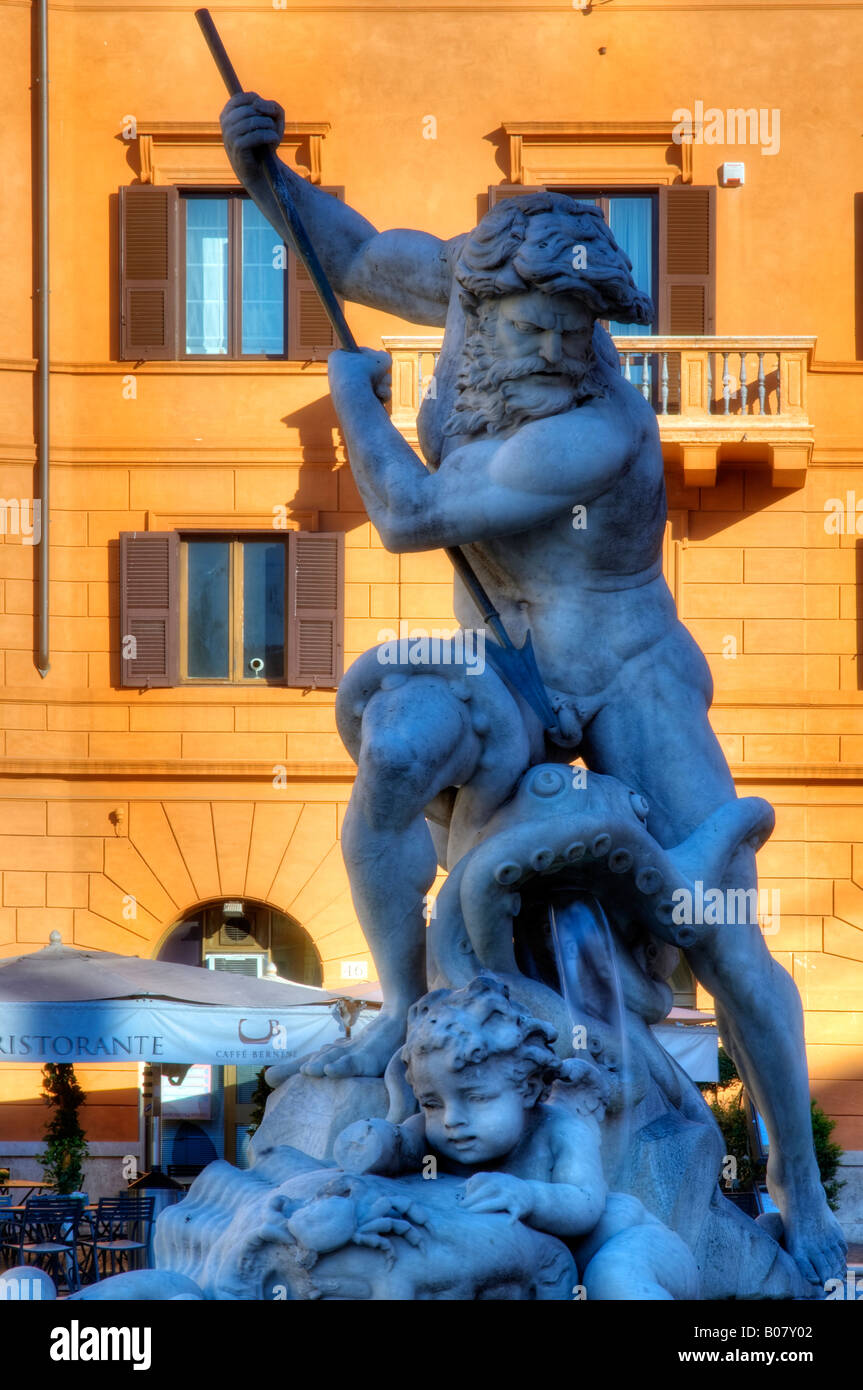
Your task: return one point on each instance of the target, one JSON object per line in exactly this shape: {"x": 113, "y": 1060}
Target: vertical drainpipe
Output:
{"x": 43, "y": 368}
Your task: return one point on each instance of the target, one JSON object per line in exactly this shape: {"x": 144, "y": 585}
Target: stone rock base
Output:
{"x": 309, "y": 1112}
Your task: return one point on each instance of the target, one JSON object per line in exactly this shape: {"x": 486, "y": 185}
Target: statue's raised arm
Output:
{"x": 403, "y": 272}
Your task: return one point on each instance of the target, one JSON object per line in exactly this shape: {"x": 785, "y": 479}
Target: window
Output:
{"x": 632, "y": 218}
{"x": 232, "y": 609}
{"x": 234, "y": 300}
{"x": 669, "y": 235}
{"x": 214, "y": 935}
{"x": 226, "y": 608}
{"x": 203, "y": 275}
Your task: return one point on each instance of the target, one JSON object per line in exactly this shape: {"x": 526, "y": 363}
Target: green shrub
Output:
{"x": 727, "y": 1104}
{"x": 726, "y": 1100}
{"x": 66, "y": 1147}
{"x": 827, "y": 1154}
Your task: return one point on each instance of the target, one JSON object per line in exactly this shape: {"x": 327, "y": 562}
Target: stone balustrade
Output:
{"x": 716, "y": 399}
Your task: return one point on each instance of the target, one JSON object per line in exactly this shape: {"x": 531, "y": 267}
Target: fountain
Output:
{"x": 510, "y": 1127}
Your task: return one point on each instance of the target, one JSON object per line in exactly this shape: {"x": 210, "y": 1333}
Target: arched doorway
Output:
{"x": 245, "y": 937}
{"x": 207, "y": 1110}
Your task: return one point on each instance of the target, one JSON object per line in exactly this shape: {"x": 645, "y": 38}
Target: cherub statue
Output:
{"x": 499, "y": 1109}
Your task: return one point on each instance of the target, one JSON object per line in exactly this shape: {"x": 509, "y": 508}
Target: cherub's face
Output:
{"x": 475, "y": 1115}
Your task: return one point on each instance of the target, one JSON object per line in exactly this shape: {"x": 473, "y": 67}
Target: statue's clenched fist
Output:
{"x": 367, "y": 367}
{"x": 250, "y": 127}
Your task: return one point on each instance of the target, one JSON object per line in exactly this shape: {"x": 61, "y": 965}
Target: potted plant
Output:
{"x": 66, "y": 1148}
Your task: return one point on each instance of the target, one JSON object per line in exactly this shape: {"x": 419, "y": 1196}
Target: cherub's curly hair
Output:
{"x": 478, "y": 1022}
{"x": 500, "y": 257}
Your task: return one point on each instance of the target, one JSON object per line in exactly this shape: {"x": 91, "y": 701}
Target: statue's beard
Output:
{"x": 495, "y": 395}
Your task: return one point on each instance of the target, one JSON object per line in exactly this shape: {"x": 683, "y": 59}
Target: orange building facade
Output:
{"x": 139, "y": 795}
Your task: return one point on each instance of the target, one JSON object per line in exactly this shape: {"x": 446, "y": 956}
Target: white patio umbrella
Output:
{"x": 65, "y": 1004}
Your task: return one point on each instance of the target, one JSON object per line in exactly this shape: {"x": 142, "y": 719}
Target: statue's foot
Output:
{"x": 366, "y": 1055}
{"x": 817, "y": 1245}
{"x": 813, "y": 1236}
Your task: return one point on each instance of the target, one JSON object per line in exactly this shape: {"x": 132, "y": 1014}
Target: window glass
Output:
{"x": 207, "y": 275}
{"x": 631, "y": 223}
{"x": 293, "y": 952}
{"x": 208, "y": 589}
{"x": 263, "y": 278}
{"x": 246, "y": 1084}
{"x": 263, "y": 609}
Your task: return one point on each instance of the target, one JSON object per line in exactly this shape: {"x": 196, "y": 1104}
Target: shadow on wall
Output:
{"x": 314, "y": 424}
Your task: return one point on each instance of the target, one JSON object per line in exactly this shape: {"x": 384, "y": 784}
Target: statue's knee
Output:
{"x": 387, "y": 756}
{"x": 413, "y": 733}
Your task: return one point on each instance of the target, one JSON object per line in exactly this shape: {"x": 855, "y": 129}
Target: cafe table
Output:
{"x": 24, "y": 1186}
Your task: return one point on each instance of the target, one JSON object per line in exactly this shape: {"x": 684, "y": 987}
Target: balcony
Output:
{"x": 740, "y": 400}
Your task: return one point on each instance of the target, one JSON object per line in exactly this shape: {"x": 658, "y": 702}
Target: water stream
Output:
{"x": 586, "y": 957}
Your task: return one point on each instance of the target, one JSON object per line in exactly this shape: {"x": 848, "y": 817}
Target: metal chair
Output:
{"x": 10, "y": 1221}
{"x": 46, "y": 1231}
{"x": 8, "y": 1232}
{"x": 119, "y": 1231}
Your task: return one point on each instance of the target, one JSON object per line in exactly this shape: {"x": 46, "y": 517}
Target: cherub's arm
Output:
{"x": 570, "y": 1203}
{"x": 376, "y": 1146}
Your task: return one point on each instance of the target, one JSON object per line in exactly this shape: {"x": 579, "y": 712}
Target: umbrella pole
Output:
{"x": 157, "y": 1115}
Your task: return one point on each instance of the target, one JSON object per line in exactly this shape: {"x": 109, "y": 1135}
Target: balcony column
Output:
{"x": 694, "y": 385}
{"x": 792, "y": 377}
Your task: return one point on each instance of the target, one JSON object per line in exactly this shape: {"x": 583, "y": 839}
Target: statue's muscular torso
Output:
{"x": 592, "y": 595}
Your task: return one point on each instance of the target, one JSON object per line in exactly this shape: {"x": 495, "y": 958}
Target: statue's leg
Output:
{"x": 417, "y": 739}
{"x": 655, "y": 735}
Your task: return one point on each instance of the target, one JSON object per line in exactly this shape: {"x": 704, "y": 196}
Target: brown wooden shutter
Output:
{"x": 316, "y": 565}
{"x": 687, "y": 260}
{"x": 149, "y": 607}
{"x": 498, "y": 191}
{"x": 149, "y": 218}
{"x": 310, "y": 333}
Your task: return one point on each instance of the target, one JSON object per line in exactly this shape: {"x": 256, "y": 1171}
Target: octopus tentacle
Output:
{"x": 594, "y": 830}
